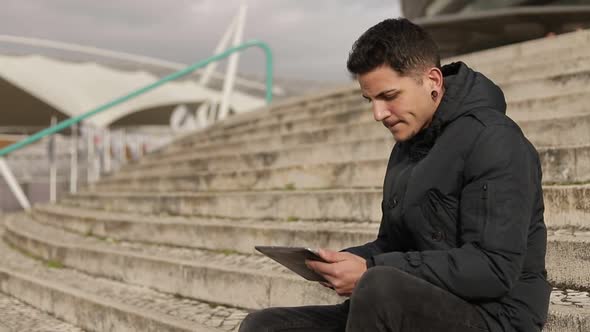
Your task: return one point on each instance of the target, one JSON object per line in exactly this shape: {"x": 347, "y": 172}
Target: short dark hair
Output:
{"x": 398, "y": 43}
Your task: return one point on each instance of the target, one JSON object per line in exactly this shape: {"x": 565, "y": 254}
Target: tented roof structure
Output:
{"x": 34, "y": 86}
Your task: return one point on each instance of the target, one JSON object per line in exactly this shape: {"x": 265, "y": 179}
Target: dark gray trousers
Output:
{"x": 385, "y": 299}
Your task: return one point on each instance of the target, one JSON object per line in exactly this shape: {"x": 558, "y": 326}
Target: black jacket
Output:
{"x": 463, "y": 207}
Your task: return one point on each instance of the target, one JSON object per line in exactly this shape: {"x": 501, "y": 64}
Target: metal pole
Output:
{"x": 107, "y": 150}
{"x": 232, "y": 66}
{"x": 89, "y": 154}
{"x": 74, "y": 160}
{"x": 52, "y": 164}
{"x": 123, "y": 151}
{"x": 13, "y": 185}
{"x": 220, "y": 47}
{"x": 98, "y": 141}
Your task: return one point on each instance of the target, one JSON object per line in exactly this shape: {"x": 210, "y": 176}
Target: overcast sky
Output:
{"x": 310, "y": 38}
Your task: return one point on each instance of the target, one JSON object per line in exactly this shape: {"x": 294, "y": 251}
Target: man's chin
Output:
{"x": 398, "y": 137}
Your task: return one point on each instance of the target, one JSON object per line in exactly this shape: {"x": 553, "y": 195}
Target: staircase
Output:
{"x": 167, "y": 244}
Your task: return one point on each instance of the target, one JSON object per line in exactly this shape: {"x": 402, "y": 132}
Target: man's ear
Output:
{"x": 435, "y": 77}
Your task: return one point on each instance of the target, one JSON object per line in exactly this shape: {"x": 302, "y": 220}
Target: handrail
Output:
{"x": 71, "y": 121}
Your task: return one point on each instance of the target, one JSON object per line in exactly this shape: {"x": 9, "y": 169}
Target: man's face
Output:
{"x": 404, "y": 105}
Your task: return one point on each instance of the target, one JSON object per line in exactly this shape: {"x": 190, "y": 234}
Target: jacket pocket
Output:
{"x": 474, "y": 212}
{"x": 441, "y": 213}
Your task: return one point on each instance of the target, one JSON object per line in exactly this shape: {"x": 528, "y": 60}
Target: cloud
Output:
{"x": 310, "y": 38}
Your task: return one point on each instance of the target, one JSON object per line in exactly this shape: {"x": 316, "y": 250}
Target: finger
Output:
{"x": 333, "y": 256}
{"x": 321, "y": 267}
{"x": 326, "y": 284}
{"x": 327, "y": 255}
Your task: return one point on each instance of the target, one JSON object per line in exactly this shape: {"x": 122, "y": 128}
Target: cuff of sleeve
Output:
{"x": 370, "y": 262}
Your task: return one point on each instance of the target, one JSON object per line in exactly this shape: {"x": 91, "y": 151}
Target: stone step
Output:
{"x": 221, "y": 234}
{"x": 545, "y": 132}
{"x": 541, "y": 132}
{"x": 524, "y": 62}
{"x": 560, "y": 165}
{"x": 550, "y": 107}
{"x": 257, "y": 281}
{"x": 273, "y": 127}
{"x": 568, "y": 258}
{"x": 102, "y": 304}
{"x": 339, "y": 121}
{"x": 17, "y": 316}
{"x": 268, "y": 123}
{"x": 336, "y": 175}
{"x": 552, "y": 85}
{"x": 341, "y": 100}
{"x": 360, "y": 205}
{"x": 524, "y": 70}
{"x": 353, "y": 174}
{"x": 565, "y": 205}
{"x": 261, "y": 156}
{"x": 542, "y": 125}
{"x": 547, "y": 48}
{"x": 567, "y": 164}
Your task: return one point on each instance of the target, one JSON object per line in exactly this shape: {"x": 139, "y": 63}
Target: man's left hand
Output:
{"x": 342, "y": 271}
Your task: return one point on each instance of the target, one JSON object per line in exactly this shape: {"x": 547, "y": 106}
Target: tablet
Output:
{"x": 294, "y": 258}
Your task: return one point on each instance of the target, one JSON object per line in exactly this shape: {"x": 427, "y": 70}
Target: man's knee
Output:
{"x": 381, "y": 281}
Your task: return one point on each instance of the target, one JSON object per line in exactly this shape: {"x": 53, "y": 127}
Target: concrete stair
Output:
{"x": 564, "y": 204}
{"x": 560, "y": 164}
{"x": 167, "y": 243}
{"x": 531, "y": 114}
{"x": 96, "y": 303}
{"x": 257, "y": 281}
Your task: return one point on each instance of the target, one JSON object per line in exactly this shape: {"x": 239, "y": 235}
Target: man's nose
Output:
{"x": 380, "y": 112}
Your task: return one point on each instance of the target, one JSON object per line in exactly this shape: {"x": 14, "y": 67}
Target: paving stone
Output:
{"x": 17, "y": 316}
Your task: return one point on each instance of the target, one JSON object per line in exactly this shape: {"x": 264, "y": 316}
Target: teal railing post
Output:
{"x": 74, "y": 120}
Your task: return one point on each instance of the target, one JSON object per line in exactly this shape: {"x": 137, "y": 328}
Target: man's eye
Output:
{"x": 390, "y": 98}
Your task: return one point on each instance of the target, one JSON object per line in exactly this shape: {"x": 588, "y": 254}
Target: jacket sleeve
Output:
{"x": 501, "y": 178}
{"x": 383, "y": 243}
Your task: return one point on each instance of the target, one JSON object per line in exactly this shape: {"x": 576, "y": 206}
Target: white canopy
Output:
{"x": 75, "y": 88}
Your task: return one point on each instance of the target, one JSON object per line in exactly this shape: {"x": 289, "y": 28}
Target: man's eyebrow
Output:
{"x": 381, "y": 94}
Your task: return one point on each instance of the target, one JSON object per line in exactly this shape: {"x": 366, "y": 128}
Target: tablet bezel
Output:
{"x": 294, "y": 258}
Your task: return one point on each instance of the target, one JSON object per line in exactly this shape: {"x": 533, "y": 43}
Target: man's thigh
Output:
{"x": 403, "y": 302}
{"x": 323, "y": 318}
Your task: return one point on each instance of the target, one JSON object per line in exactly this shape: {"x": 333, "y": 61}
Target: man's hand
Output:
{"x": 342, "y": 271}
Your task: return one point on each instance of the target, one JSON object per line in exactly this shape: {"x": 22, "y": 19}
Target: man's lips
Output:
{"x": 390, "y": 125}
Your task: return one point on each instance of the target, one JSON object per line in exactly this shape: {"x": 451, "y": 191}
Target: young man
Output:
{"x": 462, "y": 241}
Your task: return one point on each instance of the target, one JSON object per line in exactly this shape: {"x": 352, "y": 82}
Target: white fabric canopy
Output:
{"x": 76, "y": 88}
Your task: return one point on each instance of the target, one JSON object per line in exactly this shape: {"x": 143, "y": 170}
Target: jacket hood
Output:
{"x": 465, "y": 91}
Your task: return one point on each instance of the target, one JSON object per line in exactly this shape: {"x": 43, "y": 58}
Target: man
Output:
{"x": 461, "y": 245}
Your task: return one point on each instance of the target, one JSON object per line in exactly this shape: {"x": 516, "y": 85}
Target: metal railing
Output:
{"x": 74, "y": 120}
